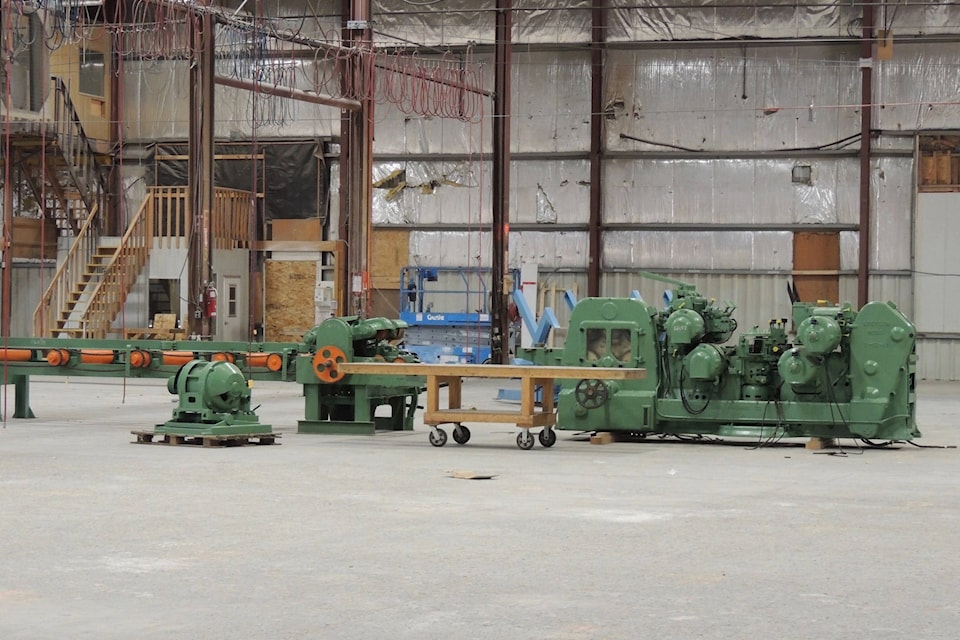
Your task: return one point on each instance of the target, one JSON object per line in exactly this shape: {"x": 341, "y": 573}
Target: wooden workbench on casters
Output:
{"x": 530, "y": 377}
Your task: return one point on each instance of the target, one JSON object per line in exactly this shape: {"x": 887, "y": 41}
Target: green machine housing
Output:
{"x": 845, "y": 373}
{"x": 214, "y": 400}
{"x": 347, "y": 404}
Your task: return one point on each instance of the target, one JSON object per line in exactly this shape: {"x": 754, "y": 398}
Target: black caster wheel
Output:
{"x": 547, "y": 437}
{"x": 461, "y": 434}
{"x": 525, "y": 440}
{"x": 438, "y": 437}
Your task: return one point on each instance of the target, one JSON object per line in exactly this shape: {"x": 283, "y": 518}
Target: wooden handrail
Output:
{"x": 120, "y": 273}
{"x": 164, "y": 217}
{"x": 229, "y": 222}
{"x": 68, "y": 273}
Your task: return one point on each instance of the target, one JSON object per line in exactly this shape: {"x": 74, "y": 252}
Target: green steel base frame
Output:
{"x": 224, "y": 428}
{"x": 349, "y": 410}
{"x": 25, "y": 357}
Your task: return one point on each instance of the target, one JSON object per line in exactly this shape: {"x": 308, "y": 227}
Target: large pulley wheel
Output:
{"x": 591, "y": 393}
{"x": 326, "y": 363}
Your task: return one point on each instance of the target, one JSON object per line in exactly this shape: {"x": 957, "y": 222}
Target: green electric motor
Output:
{"x": 214, "y": 400}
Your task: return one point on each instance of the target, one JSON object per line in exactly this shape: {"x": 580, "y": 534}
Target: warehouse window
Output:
{"x": 596, "y": 344}
{"x": 620, "y": 345}
{"x": 91, "y": 72}
{"x": 232, "y": 301}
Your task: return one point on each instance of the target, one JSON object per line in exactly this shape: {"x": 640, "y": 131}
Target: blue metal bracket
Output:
{"x": 539, "y": 330}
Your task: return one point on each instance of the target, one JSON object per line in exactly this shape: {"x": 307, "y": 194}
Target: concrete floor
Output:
{"x": 367, "y": 537}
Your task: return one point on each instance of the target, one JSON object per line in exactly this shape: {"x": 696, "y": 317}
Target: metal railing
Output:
{"x": 81, "y": 160}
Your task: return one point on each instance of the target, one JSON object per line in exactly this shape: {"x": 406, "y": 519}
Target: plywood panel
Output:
{"x": 391, "y": 252}
{"x": 289, "y": 293}
{"x": 26, "y": 241}
{"x": 818, "y": 253}
{"x": 301, "y": 230}
{"x": 384, "y": 303}
{"x": 94, "y": 111}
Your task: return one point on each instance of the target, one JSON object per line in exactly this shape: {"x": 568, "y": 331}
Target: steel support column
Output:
{"x": 597, "y": 41}
{"x": 499, "y": 320}
{"x": 866, "y": 117}
{"x": 200, "y": 167}
{"x": 116, "y": 205}
{"x": 356, "y": 156}
{"x": 6, "y": 296}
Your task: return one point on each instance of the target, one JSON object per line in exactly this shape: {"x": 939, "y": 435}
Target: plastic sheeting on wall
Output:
{"x": 917, "y": 89}
{"x": 540, "y": 21}
{"x": 747, "y": 250}
{"x": 712, "y": 100}
{"x": 432, "y": 193}
{"x": 551, "y": 101}
{"x": 644, "y": 20}
{"x": 542, "y": 191}
{"x": 726, "y": 191}
{"x": 553, "y": 250}
{"x": 457, "y": 22}
{"x": 156, "y": 103}
{"x": 289, "y": 175}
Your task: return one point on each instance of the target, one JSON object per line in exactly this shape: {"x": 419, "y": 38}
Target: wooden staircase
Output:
{"x": 55, "y": 163}
{"x": 92, "y": 283}
{"x": 70, "y": 321}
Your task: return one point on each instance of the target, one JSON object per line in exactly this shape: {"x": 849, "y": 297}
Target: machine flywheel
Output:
{"x": 326, "y": 363}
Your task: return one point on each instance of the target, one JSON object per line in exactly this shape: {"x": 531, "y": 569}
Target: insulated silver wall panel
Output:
{"x": 551, "y": 101}
{"x": 917, "y": 88}
{"x": 551, "y": 250}
{"x": 718, "y": 191}
{"x": 711, "y": 100}
{"x": 654, "y": 20}
{"x": 699, "y": 250}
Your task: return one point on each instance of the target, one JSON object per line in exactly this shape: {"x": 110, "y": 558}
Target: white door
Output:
{"x": 232, "y": 310}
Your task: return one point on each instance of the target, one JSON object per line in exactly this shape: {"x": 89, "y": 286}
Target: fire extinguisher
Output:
{"x": 210, "y": 301}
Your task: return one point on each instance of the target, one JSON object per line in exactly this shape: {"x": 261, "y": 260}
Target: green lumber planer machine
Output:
{"x": 347, "y": 404}
{"x": 844, "y": 374}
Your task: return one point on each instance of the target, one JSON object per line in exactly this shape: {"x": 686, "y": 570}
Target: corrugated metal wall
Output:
{"x": 29, "y": 280}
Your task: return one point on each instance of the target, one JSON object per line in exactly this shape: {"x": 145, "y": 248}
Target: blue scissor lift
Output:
{"x": 447, "y": 310}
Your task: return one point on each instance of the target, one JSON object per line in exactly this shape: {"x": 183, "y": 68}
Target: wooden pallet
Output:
{"x": 147, "y": 437}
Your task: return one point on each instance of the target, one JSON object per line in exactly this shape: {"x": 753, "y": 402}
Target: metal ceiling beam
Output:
{"x": 286, "y": 92}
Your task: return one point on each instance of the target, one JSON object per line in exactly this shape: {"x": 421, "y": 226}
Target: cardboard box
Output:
{"x": 164, "y": 321}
